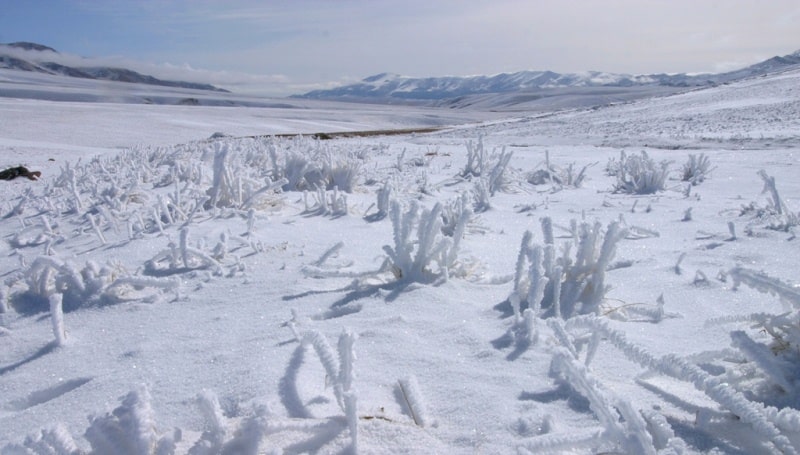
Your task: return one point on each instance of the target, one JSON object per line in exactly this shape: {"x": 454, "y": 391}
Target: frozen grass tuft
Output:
{"x": 564, "y": 286}
{"x": 696, "y": 169}
{"x": 639, "y": 174}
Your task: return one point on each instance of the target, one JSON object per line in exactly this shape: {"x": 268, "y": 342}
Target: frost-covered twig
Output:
{"x": 409, "y": 390}
{"x": 753, "y": 413}
{"x": 761, "y": 282}
{"x": 57, "y": 319}
{"x": 624, "y": 426}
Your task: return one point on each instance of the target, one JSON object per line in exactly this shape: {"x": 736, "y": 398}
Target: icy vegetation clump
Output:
{"x": 557, "y": 176}
{"x": 776, "y": 215}
{"x": 696, "y": 169}
{"x": 307, "y": 165}
{"x": 163, "y": 191}
{"x": 564, "y": 286}
{"x": 638, "y": 174}
{"x": 428, "y": 256}
{"x": 489, "y": 168}
{"x": 82, "y": 287}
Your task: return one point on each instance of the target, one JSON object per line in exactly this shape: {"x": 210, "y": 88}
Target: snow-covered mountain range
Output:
{"x": 11, "y": 58}
{"x": 387, "y": 86}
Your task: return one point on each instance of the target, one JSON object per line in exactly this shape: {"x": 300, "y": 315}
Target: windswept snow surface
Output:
{"x": 186, "y": 268}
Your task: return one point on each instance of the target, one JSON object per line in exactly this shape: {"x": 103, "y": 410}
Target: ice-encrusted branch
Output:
{"x": 57, "y": 319}
{"x": 762, "y": 356}
{"x": 761, "y": 282}
{"x": 409, "y": 390}
{"x": 623, "y": 425}
{"x": 714, "y": 387}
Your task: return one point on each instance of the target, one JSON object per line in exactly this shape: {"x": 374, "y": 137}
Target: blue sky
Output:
{"x": 282, "y": 46}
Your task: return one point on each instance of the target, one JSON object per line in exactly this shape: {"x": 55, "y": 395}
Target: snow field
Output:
{"x": 195, "y": 267}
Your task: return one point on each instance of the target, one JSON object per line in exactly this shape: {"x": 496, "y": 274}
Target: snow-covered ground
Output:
{"x": 218, "y": 298}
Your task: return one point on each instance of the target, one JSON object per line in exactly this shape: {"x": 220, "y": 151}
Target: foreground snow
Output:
{"x": 214, "y": 287}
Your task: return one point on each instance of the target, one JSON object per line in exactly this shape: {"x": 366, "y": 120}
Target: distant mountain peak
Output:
{"x": 28, "y": 46}
{"x": 381, "y": 76}
{"x": 41, "y": 64}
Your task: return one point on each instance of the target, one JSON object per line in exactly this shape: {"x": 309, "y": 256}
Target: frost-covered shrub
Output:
{"x": 568, "y": 176}
{"x": 180, "y": 258}
{"x": 454, "y": 212}
{"x": 429, "y": 256}
{"x": 696, "y": 169}
{"x": 306, "y": 166}
{"x": 342, "y": 172}
{"x": 232, "y": 186}
{"x": 481, "y": 195}
{"x": 776, "y": 214}
{"x": 640, "y": 174}
{"x": 564, "y": 286}
{"x": 489, "y": 166}
{"x": 130, "y": 429}
{"x": 325, "y": 203}
{"x": 477, "y": 160}
{"x": 51, "y": 441}
{"x": 383, "y": 195}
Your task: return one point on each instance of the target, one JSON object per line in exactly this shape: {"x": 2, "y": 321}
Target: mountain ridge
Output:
{"x": 389, "y": 86}
{"x": 103, "y": 73}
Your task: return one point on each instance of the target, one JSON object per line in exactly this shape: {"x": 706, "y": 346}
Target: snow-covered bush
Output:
{"x": 696, "y": 169}
{"x": 325, "y": 203}
{"x": 639, "y": 174}
{"x": 776, "y": 214}
{"x": 568, "y": 176}
{"x": 55, "y": 440}
{"x": 180, "y": 258}
{"x": 232, "y": 186}
{"x": 491, "y": 167}
{"x": 130, "y": 429}
{"x": 383, "y": 195}
{"x": 430, "y": 256}
{"x": 481, "y": 195}
{"x": 307, "y": 166}
{"x": 477, "y": 160}
{"x": 342, "y": 172}
{"x": 91, "y": 285}
{"x": 564, "y": 286}
{"x": 454, "y": 212}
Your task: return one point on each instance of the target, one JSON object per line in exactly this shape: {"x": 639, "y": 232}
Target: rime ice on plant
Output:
{"x": 564, "y": 286}
{"x": 640, "y": 174}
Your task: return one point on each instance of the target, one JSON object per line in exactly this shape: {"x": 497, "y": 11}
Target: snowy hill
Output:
{"x": 385, "y": 87}
{"x": 612, "y": 280}
{"x": 37, "y": 58}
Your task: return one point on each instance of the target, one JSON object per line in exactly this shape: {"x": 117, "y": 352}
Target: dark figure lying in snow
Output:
{"x": 19, "y": 171}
